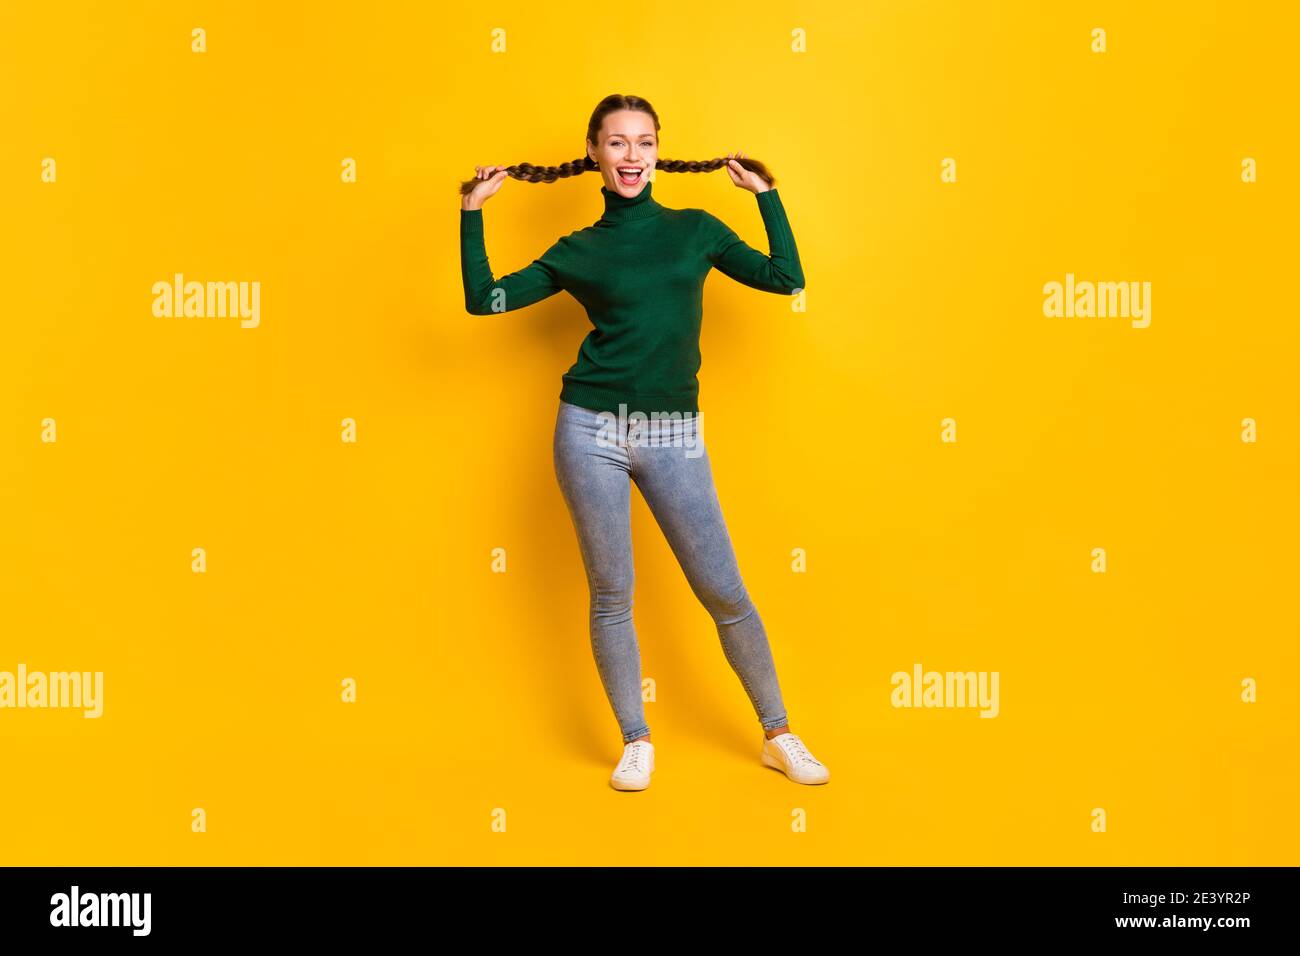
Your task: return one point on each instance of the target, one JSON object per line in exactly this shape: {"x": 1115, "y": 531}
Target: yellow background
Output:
{"x": 478, "y": 690}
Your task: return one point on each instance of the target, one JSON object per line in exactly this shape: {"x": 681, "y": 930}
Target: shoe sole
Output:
{"x": 770, "y": 761}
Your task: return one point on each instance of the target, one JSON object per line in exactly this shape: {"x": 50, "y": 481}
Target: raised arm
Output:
{"x": 778, "y": 272}
{"x": 485, "y": 295}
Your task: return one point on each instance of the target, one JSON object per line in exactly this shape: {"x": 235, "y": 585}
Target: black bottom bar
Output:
{"x": 236, "y": 904}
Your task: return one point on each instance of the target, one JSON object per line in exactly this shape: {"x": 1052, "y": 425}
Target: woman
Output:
{"x": 629, "y": 405}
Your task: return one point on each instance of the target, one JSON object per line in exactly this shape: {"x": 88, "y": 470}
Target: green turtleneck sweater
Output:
{"x": 639, "y": 272}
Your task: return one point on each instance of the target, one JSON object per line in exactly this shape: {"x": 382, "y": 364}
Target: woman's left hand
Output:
{"x": 744, "y": 178}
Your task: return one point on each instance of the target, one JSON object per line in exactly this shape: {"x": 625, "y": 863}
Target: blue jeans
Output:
{"x": 597, "y": 456}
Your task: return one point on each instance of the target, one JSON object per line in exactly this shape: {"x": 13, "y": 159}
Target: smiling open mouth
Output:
{"x": 630, "y": 175}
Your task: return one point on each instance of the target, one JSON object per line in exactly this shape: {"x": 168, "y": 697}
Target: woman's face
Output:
{"x": 627, "y": 142}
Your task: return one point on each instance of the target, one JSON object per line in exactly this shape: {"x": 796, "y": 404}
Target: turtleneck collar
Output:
{"x": 622, "y": 209}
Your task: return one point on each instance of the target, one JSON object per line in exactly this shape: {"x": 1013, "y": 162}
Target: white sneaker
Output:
{"x": 786, "y": 752}
{"x": 633, "y": 771}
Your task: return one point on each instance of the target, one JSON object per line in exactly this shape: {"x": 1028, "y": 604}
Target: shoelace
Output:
{"x": 633, "y": 758}
{"x": 795, "y": 749}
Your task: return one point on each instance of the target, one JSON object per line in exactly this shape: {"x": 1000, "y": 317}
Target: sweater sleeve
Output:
{"x": 485, "y": 295}
{"x": 779, "y": 272}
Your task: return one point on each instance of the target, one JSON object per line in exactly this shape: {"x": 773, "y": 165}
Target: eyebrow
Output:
{"x": 625, "y": 136}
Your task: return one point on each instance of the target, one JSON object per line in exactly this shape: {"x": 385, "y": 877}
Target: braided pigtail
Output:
{"x": 528, "y": 173}
{"x": 709, "y": 165}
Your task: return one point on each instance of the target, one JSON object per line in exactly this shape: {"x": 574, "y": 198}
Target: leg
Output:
{"x": 594, "y": 481}
{"x": 675, "y": 476}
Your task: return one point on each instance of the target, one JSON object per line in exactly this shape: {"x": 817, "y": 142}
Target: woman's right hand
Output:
{"x": 493, "y": 177}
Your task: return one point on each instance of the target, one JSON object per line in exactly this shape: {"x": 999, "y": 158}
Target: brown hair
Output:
{"x": 528, "y": 173}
